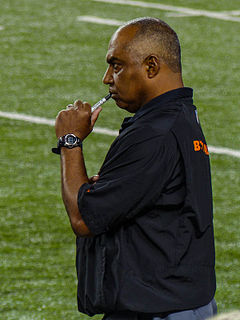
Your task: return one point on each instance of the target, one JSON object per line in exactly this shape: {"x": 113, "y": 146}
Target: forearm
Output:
{"x": 73, "y": 176}
{"x": 78, "y": 120}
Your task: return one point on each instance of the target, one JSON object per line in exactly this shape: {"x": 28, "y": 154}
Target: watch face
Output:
{"x": 71, "y": 139}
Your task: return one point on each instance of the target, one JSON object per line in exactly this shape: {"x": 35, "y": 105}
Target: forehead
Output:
{"x": 119, "y": 43}
{"x": 116, "y": 53}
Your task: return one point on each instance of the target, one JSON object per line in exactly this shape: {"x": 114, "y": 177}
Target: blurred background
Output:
{"x": 52, "y": 53}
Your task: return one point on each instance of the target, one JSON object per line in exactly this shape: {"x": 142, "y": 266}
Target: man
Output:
{"x": 144, "y": 227}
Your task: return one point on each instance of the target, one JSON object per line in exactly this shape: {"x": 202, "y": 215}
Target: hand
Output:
{"x": 76, "y": 119}
{"x": 94, "y": 179}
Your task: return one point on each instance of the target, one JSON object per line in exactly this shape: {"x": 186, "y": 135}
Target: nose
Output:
{"x": 108, "y": 78}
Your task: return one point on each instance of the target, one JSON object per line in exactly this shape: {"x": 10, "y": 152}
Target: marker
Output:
{"x": 100, "y": 102}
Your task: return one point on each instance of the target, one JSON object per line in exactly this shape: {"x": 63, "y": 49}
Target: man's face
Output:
{"x": 125, "y": 75}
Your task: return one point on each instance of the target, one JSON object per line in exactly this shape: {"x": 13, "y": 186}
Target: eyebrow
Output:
{"x": 112, "y": 60}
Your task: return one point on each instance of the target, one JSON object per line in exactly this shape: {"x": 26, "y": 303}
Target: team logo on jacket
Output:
{"x": 200, "y": 146}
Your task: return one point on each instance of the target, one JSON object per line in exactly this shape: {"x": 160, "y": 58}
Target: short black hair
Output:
{"x": 156, "y": 36}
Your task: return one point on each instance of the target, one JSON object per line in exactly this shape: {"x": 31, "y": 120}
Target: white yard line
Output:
{"x": 153, "y": 5}
{"x": 227, "y": 151}
{"x": 109, "y": 132}
{"x": 49, "y": 122}
{"x": 93, "y": 19}
{"x": 181, "y": 15}
{"x": 106, "y": 131}
{"x": 232, "y": 13}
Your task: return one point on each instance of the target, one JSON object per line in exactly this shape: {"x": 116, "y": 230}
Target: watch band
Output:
{"x": 68, "y": 141}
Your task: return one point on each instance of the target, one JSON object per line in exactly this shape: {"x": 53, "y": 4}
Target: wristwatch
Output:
{"x": 67, "y": 141}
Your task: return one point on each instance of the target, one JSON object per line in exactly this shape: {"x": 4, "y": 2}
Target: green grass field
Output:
{"x": 49, "y": 59}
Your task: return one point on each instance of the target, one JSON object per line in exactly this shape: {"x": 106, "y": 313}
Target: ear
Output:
{"x": 152, "y": 65}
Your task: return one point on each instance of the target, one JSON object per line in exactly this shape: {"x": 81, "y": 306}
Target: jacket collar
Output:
{"x": 162, "y": 102}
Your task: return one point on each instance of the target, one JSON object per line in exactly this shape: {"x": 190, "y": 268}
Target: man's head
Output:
{"x": 144, "y": 61}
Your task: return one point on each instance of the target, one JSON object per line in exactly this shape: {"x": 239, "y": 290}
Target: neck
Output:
{"x": 163, "y": 84}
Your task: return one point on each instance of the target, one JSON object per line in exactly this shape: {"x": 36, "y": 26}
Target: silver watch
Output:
{"x": 69, "y": 141}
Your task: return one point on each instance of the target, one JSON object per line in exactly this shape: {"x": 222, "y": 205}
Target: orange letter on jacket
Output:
{"x": 196, "y": 145}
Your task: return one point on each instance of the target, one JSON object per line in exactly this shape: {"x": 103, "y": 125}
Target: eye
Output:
{"x": 116, "y": 67}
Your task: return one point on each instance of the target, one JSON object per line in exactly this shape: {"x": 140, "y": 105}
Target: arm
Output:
{"x": 79, "y": 121}
{"x": 130, "y": 182}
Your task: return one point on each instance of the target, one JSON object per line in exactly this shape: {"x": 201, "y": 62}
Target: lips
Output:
{"x": 113, "y": 94}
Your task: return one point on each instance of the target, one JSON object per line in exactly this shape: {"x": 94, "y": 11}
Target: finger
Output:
{"x": 61, "y": 114}
{"x": 78, "y": 103}
{"x": 95, "y": 115}
{"x": 87, "y": 107}
{"x": 94, "y": 179}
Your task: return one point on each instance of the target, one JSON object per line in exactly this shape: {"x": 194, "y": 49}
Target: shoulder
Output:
{"x": 158, "y": 126}
{"x": 145, "y": 142}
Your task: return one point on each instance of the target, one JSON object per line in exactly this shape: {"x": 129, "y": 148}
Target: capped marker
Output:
{"x": 100, "y": 102}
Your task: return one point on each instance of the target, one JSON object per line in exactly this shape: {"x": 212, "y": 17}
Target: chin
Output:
{"x": 125, "y": 106}
{"x": 121, "y": 104}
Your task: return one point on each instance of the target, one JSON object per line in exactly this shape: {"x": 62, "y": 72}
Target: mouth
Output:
{"x": 112, "y": 91}
{"x": 113, "y": 95}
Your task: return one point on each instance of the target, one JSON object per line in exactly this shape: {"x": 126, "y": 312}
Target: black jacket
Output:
{"x": 151, "y": 212}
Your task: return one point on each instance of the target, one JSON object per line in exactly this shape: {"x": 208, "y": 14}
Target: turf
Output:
{"x": 48, "y": 60}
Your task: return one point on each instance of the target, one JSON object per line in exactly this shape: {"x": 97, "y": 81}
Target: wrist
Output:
{"x": 68, "y": 141}
{"x": 66, "y": 151}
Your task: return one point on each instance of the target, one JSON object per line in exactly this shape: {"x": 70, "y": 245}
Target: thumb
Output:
{"x": 95, "y": 115}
